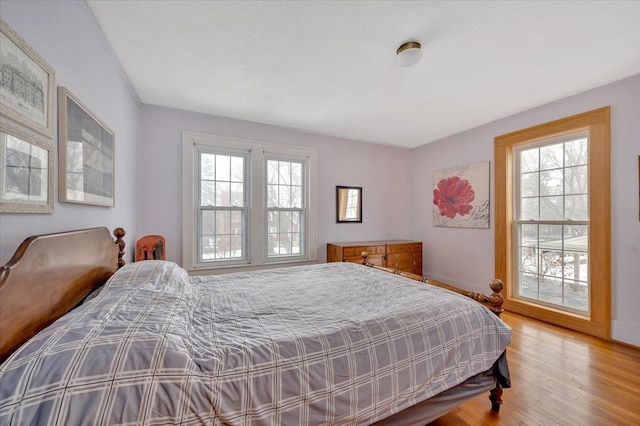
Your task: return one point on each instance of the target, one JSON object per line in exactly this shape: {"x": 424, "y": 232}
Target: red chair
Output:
{"x": 150, "y": 247}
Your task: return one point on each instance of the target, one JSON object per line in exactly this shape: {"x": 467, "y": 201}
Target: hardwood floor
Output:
{"x": 560, "y": 377}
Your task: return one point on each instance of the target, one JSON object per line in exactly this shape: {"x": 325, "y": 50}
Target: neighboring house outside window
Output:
{"x": 247, "y": 203}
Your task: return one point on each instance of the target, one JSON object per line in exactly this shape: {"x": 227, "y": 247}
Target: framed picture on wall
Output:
{"x": 461, "y": 196}
{"x": 86, "y": 150}
{"x": 26, "y": 172}
{"x": 26, "y": 92}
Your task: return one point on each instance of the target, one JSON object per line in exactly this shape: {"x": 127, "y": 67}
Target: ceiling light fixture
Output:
{"x": 409, "y": 54}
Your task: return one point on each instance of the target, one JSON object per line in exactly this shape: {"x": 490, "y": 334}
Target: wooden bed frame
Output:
{"x": 51, "y": 274}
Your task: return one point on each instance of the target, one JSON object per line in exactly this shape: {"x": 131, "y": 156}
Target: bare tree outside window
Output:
{"x": 285, "y": 207}
{"x": 553, "y": 223}
{"x": 222, "y": 205}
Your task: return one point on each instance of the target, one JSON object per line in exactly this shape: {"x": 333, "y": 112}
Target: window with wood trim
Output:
{"x": 553, "y": 221}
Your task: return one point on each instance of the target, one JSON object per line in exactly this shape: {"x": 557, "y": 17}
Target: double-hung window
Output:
{"x": 246, "y": 203}
{"x": 285, "y": 206}
{"x": 221, "y": 205}
{"x": 553, "y": 221}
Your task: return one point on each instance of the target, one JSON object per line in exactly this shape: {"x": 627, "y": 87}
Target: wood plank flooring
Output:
{"x": 560, "y": 377}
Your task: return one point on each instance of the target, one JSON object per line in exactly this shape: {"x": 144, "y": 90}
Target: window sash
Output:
{"x": 290, "y": 242}
{"x": 220, "y": 252}
{"x": 235, "y": 241}
{"x": 554, "y": 270}
{"x": 282, "y": 243}
{"x": 555, "y": 282}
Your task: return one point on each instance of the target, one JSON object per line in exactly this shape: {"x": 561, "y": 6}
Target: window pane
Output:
{"x": 295, "y": 244}
{"x": 296, "y": 174}
{"x": 208, "y": 247}
{"x": 550, "y": 233}
{"x": 530, "y": 209}
{"x": 272, "y": 172}
{"x": 223, "y": 246}
{"x": 284, "y": 173}
{"x": 529, "y": 259}
{"x": 295, "y": 221}
{"x": 223, "y": 194}
{"x": 552, "y": 262}
{"x": 223, "y": 167}
{"x": 236, "y": 246}
{"x": 207, "y": 193}
{"x": 575, "y": 181}
{"x": 208, "y": 222}
{"x": 550, "y": 290}
{"x": 207, "y": 166}
{"x": 529, "y": 160}
{"x": 237, "y": 194}
{"x": 284, "y": 196}
{"x": 551, "y": 182}
{"x": 528, "y": 285}
{"x": 529, "y": 184}
{"x": 551, "y": 157}
{"x": 272, "y": 195}
{"x": 576, "y": 295}
{"x": 237, "y": 226}
{"x": 550, "y": 247}
{"x": 223, "y": 219}
{"x": 273, "y": 220}
{"x": 528, "y": 234}
{"x": 285, "y": 222}
{"x": 237, "y": 169}
{"x": 577, "y": 207}
{"x": 551, "y": 208}
{"x": 296, "y": 197}
{"x": 576, "y": 152}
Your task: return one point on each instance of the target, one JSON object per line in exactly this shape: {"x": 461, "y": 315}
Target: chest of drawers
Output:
{"x": 395, "y": 254}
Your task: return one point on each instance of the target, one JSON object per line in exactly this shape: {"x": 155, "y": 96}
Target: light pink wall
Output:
{"x": 380, "y": 170}
{"x": 397, "y": 183}
{"x": 67, "y": 36}
{"x": 466, "y": 256}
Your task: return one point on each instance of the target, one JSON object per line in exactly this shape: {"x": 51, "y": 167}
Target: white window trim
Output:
{"x": 256, "y": 216}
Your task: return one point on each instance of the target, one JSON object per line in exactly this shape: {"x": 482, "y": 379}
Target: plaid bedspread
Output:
{"x": 335, "y": 343}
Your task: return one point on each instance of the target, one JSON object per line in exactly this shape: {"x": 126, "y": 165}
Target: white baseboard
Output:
{"x": 626, "y": 332}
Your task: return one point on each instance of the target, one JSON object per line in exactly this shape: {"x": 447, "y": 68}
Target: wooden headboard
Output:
{"x": 48, "y": 276}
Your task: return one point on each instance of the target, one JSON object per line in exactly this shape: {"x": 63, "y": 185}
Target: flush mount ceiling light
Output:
{"x": 409, "y": 54}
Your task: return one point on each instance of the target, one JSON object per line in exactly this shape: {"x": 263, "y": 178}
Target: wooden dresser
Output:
{"x": 396, "y": 254}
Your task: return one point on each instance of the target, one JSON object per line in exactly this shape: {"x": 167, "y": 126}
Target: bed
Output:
{"x": 85, "y": 339}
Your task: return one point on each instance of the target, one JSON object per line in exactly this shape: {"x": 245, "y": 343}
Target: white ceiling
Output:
{"x": 329, "y": 66}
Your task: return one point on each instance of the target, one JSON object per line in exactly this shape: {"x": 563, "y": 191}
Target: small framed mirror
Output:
{"x": 348, "y": 204}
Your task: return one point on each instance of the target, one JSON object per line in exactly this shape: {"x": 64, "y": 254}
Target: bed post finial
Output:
{"x": 119, "y": 233}
{"x": 496, "y": 300}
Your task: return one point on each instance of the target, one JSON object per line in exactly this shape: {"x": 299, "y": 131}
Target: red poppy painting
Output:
{"x": 461, "y": 196}
{"x": 453, "y": 196}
